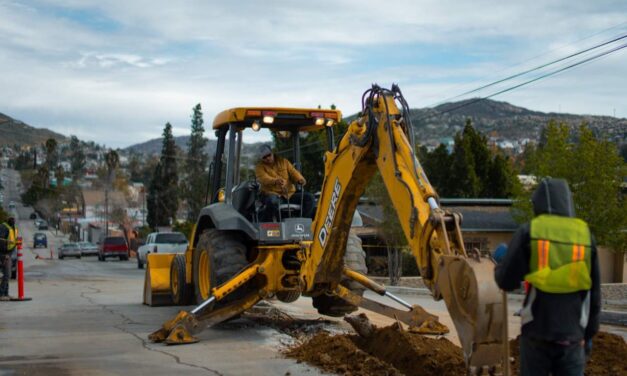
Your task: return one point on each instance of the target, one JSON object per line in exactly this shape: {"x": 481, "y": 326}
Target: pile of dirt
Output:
{"x": 608, "y": 358}
{"x": 338, "y": 354}
{"x": 387, "y": 351}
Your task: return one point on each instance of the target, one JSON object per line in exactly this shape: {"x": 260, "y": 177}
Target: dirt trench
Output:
{"x": 390, "y": 351}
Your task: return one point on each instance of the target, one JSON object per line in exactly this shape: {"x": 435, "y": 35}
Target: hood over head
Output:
{"x": 553, "y": 196}
{"x": 264, "y": 150}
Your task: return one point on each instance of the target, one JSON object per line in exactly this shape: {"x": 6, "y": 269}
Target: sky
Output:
{"x": 116, "y": 71}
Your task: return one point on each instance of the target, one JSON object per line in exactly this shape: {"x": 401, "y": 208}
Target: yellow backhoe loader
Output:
{"x": 234, "y": 260}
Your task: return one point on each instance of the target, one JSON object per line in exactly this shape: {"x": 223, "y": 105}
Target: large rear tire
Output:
{"x": 219, "y": 255}
{"x": 180, "y": 290}
{"x": 355, "y": 259}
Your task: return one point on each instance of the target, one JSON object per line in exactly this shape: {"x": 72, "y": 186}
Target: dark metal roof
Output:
{"x": 480, "y": 217}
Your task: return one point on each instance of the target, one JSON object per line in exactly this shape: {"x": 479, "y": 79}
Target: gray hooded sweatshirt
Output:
{"x": 551, "y": 317}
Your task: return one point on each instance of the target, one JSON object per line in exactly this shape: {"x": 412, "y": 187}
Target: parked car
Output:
{"x": 40, "y": 240}
{"x": 88, "y": 249}
{"x": 42, "y": 225}
{"x": 69, "y": 250}
{"x": 161, "y": 242}
{"x": 113, "y": 246}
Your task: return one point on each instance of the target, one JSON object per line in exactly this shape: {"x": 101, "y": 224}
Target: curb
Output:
{"x": 425, "y": 292}
{"x": 613, "y": 318}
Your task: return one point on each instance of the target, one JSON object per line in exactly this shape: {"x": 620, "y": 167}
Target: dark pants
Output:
{"x": 5, "y": 269}
{"x": 541, "y": 358}
{"x": 271, "y": 204}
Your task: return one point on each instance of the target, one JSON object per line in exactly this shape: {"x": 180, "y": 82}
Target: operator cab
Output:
{"x": 232, "y": 182}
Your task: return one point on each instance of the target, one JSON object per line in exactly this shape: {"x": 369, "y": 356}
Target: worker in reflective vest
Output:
{"x": 556, "y": 254}
{"x": 8, "y": 242}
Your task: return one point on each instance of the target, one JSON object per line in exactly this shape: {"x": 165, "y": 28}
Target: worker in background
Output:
{"x": 556, "y": 254}
{"x": 8, "y": 242}
{"x": 277, "y": 177}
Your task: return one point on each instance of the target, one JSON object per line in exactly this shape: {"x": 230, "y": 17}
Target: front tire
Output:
{"x": 180, "y": 291}
{"x": 219, "y": 255}
{"x": 140, "y": 264}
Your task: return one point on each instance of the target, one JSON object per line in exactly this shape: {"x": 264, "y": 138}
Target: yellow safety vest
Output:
{"x": 12, "y": 239}
{"x": 560, "y": 254}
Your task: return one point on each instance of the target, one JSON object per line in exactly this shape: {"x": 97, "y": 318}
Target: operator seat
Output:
{"x": 243, "y": 197}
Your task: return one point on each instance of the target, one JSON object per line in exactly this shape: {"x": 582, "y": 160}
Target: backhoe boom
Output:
{"x": 381, "y": 139}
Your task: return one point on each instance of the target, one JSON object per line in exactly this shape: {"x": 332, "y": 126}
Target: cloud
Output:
{"x": 117, "y": 71}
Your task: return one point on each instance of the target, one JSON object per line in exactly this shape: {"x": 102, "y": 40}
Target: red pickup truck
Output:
{"x": 113, "y": 246}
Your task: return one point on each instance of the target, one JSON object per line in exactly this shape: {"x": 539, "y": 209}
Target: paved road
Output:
{"x": 86, "y": 318}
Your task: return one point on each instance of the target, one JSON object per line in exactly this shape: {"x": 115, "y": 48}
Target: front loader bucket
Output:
{"x": 157, "y": 279}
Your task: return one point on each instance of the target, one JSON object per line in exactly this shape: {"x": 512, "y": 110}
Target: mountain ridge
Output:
{"x": 15, "y": 131}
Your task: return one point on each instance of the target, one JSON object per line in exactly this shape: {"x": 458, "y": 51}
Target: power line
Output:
{"x": 589, "y": 59}
{"x": 539, "y": 67}
{"x": 618, "y": 26}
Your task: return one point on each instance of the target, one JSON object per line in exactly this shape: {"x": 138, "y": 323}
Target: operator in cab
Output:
{"x": 277, "y": 177}
{"x": 556, "y": 254}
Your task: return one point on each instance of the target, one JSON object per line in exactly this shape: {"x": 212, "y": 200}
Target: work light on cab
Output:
{"x": 268, "y": 117}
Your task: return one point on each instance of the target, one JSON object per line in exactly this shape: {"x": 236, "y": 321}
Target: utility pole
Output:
{"x": 112, "y": 160}
{"x": 106, "y": 213}
{"x": 143, "y": 206}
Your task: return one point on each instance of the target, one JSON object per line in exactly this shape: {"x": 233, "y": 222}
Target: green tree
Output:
{"x": 481, "y": 158}
{"x": 437, "y": 166}
{"x": 77, "y": 158}
{"x": 169, "y": 176}
{"x": 52, "y": 154}
{"x": 501, "y": 181}
{"x": 463, "y": 180}
{"x": 195, "y": 181}
{"x": 156, "y": 214}
{"x": 594, "y": 170}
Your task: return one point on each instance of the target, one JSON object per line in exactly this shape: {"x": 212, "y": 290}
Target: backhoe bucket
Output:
{"x": 157, "y": 279}
{"x": 479, "y": 311}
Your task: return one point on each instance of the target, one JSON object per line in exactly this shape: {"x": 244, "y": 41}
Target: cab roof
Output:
{"x": 303, "y": 119}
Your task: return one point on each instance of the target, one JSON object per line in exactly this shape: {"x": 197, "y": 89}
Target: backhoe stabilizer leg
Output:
{"x": 182, "y": 328}
{"x": 478, "y": 309}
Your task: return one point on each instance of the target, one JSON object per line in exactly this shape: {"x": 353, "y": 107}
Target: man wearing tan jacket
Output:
{"x": 277, "y": 177}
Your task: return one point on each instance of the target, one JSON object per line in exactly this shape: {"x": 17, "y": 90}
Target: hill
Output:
{"x": 17, "y": 132}
{"x": 497, "y": 119}
{"x": 504, "y": 120}
{"x": 153, "y": 146}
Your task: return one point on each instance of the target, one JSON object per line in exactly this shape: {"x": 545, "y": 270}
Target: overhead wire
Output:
{"x": 517, "y": 75}
{"x": 539, "y": 67}
{"x": 617, "y": 26}
{"x": 543, "y": 76}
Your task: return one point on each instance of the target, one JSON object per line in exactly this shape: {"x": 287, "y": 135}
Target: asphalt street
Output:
{"x": 87, "y": 318}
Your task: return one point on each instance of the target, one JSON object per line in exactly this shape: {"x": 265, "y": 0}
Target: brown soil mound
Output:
{"x": 338, "y": 354}
{"x": 387, "y": 351}
{"x": 608, "y": 358}
{"x": 414, "y": 354}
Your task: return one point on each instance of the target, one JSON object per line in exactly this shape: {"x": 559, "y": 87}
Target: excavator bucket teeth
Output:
{"x": 425, "y": 323}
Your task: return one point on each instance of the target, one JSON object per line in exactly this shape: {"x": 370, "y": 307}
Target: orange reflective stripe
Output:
{"x": 543, "y": 254}
{"x": 579, "y": 252}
